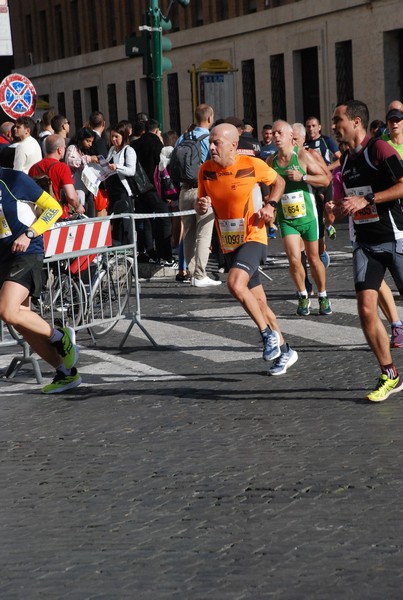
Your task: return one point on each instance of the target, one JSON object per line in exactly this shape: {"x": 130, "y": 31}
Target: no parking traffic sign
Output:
{"x": 17, "y": 96}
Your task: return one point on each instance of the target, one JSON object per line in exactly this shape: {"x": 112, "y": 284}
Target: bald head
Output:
{"x": 228, "y": 131}
{"x": 223, "y": 144}
{"x": 283, "y": 135}
{"x": 395, "y": 105}
{"x": 54, "y": 144}
{"x": 6, "y": 129}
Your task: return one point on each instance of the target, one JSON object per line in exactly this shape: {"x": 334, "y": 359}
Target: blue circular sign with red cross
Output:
{"x": 17, "y": 96}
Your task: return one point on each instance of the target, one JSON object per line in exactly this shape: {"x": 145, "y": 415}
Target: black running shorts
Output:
{"x": 371, "y": 261}
{"x": 24, "y": 269}
{"x": 248, "y": 257}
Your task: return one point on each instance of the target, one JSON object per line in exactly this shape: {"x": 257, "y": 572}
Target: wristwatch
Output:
{"x": 272, "y": 203}
{"x": 30, "y": 234}
{"x": 304, "y": 177}
{"x": 370, "y": 198}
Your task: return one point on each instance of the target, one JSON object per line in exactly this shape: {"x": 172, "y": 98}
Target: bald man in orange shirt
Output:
{"x": 229, "y": 183}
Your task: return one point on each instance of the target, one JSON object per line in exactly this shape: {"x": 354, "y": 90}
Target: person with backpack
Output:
{"x": 55, "y": 177}
{"x": 191, "y": 150}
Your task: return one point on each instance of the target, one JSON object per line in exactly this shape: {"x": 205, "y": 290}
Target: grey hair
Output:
{"x": 300, "y": 128}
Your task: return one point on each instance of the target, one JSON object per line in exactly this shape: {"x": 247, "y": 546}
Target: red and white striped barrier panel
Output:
{"x": 80, "y": 236}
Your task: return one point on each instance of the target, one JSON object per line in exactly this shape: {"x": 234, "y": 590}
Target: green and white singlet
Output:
{"x": 297, "y": 206}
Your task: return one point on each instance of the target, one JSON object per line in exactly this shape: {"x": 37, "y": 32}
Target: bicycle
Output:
{"x": 90, "y": 291}
{"x": 108, "y": 292}
{"x": 63, "y": 298}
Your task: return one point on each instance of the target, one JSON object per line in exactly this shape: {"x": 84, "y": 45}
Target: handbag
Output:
{"x": 139, "y": 182}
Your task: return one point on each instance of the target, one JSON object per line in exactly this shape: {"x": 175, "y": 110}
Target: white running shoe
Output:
{"x": 205, "y": 282}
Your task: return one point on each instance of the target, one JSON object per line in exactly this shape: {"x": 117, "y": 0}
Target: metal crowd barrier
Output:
{"x": 10, "y": 338}
{"x": 90, "y": 281}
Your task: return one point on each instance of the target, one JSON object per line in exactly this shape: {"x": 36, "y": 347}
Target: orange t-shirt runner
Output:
{"x": 236, "y": 197}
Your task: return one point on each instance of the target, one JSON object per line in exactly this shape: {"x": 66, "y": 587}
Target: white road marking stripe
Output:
{"x": 216, "y": 348}
{"x": 321, "y": 331}
{"x": 108, "y": 369}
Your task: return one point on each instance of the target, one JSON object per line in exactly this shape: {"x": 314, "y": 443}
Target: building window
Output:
{"x": 29, "y": 39}
{"x": 75, "y": 18}
{"x": 43, "y": 36}
{"x": 173, "y": 99}
{"x": 393, "y": 69}
{"x": 129, "y": 18}
{"x": 93, "y": 25}
{"x": 131, "y": 101}
{"x": 249, "y": 90}
{"x": 249, "y": 6}
{"x": 344, "y": 71}
{"x": 59, "y": 29}
{"x": 111, "y": 23}
{"x": 91, "y": 99}
{"x": 278, "y": 100}
{"x": 310, "y": 82}
{"x": 222, "y": 10}
{"x": 174, "y": 17}
{"x": 112, "y": 103}
{"x": 61, "y": 103}
{"x": 197, "y": 13}
{"x": 78, "y": 111}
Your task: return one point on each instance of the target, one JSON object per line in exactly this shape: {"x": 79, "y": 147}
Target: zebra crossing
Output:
{"x": 200, "y": 334}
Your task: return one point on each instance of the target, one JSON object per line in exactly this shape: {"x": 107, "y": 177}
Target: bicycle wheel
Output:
{"x": 64, "y": 301}
{"x": 110, "y": 294}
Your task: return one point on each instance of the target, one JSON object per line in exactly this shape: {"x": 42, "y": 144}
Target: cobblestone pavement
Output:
{"x": 185, "y": 472}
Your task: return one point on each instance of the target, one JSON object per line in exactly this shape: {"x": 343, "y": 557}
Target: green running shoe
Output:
{"x": 62, "y": 382}
{"x": 325, "y": 308}
{"x": 303, "y": 306}
{"x": 67, "y": 347}
{"x": 385, "y": 388}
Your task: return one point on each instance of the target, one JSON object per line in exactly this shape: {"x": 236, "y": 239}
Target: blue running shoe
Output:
{"x": 283, "y": 362}
{"x": 271, "y": 345}
{"x": 325, "y": 258}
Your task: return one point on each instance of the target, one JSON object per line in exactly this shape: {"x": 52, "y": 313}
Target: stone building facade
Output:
{"x": 261, "y": 59}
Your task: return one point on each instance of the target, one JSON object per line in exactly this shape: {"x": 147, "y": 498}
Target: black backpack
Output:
{"x": 186, "y": 159}
{"x": 44, "y": 181}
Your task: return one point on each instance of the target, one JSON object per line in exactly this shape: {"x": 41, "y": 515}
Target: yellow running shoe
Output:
{"x": 67, "y": 347}
{"x": 62, "y": 383}
{"x": 385, "y": 388}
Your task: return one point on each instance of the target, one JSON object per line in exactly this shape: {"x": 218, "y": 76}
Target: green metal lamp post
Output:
{"x": 160, "y": 44}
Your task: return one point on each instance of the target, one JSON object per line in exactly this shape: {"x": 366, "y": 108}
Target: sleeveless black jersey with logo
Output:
{"x": 360, "y": 172}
